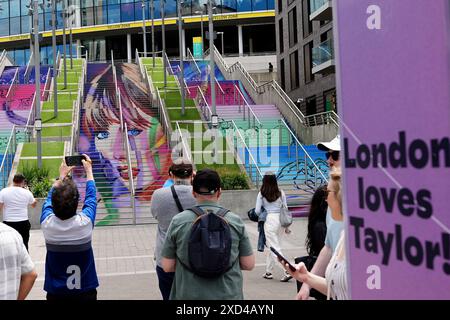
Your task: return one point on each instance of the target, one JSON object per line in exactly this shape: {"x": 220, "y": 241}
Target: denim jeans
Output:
{"x": 165, "y": 280}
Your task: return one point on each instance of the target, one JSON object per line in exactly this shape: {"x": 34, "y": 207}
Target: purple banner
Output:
{"x": 393, "y": 62}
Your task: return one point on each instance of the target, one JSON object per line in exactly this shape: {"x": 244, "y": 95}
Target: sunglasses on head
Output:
{"x": 333, "y": 154}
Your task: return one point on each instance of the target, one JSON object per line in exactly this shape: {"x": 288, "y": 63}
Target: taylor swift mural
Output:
{"x": 101, "y": 137}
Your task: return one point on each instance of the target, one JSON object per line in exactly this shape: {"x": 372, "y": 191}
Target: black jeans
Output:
{"x": 90, "y": 295}
{"x": 165, "y": 280}
{"x": 22, "y": 227}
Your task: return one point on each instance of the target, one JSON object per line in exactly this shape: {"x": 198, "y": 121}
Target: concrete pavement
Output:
{"x": 126, "y": 268}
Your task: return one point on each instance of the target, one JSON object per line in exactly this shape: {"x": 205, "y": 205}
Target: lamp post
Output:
{"x": 71, "y": 44}
{"x": 214, "y": 118}
{"x": 180, "y": 40}
{"x": 37, "y": 119}
{"x": 221, "y": 34}
{"x": 64, "y": 42}
{"x": 144, "y": 37}
{"x": 55, "y": 71}
{"x": 201, "y": 28}
{"x": 163, "y": 31}
{"x": 152, "y": 14}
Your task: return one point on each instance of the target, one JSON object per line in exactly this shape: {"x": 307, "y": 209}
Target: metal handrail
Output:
{"x": 25, "y": 75}
{"x": 46, "y": 90}
{"x": 186, "y": 150}
{"x": 12, "y": 88}
{"x": 255, "y": 117}
{"x": 167, "y": 64}
{"x": 5, "y": 157}
{"x": 162, "y": 112}
{"x": 250, "y": 156}
{"x": 304, "y": 150}
{"x": 130, "y": 172}
{"x": 324, "y": 116}
{"x": 30, "y": 119}
{"x": 206, "y": 103}
{"x": 193, "y": 59}
{"x": 58, "y": 62}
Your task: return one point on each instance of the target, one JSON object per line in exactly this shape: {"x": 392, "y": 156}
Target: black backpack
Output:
{"x": 209, "y": 247}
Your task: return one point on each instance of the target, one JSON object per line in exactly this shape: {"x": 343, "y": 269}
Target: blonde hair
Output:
{"x": 335, "y": 175}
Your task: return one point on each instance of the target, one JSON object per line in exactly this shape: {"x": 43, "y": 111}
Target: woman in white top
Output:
{"x": 272, "y": 199}
{"x": 334, "y": 285}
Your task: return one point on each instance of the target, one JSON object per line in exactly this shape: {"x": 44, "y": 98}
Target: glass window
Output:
{"x": 15, "y": 25}
{"x": 4, "y": 27}
{"x": 25, "y": 24}
{"x": 110, "y": 2}
{"x": 19, "y": 57}
{"x": 100, "y": 15}
{"x": 114, "y": 13}
{"x": 138, "y": 11}
{"x": 171, "y": 8}
{"x": 127, "y": 11}
{"x": 48, "y": 20}
{"x": 243, "y": 5}
{"x": 87, "y": 16}
{"x": 157, "y": 10}
{"x": 292, "y": 21}
{"x": 230, "y": 6}
{"x": 294, "y": 70}
{"x": 281, "y": 35}
{"x": 259, "y": 5}
{"x": 4, "y": 13}
{"x": 87, "y": 3}
{"x": 41, "y": 22}
{"x": 270, "y": 4}
{"x": 127, "y": 1}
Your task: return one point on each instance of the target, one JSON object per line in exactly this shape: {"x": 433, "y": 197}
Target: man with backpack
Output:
{"x": 207, "y": 247}
{"x": 166, "y": 203}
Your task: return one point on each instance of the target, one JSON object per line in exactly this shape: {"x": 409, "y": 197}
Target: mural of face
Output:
{"x": 101, "y": 134}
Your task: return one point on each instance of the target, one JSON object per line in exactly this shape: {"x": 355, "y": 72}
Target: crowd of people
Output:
{"x": 201, "y": 248}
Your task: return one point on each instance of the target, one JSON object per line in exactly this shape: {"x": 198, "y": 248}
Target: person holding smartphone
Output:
{"x": 334, "y": 284}
{"x": 70, "y": 272}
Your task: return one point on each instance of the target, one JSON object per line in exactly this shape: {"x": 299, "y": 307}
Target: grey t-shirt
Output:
{"x": 334, "y": 229}
{"x": 164, "y": 209}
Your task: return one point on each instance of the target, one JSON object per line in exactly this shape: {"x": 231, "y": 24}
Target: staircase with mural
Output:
{"x": 122, "y": 135}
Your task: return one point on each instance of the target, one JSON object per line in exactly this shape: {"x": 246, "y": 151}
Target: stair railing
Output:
{"x": 168, "y": 66}
{"x": 251, "y": 160}
{"x": 6, "y": 165}
{"x": 307, "y": 156}
{"x": 130, "y": 171}
{"x": 163, "y": 118}
{"x": 189, "y": 53}
{"x": 12, "y": 88}
{"x": 250, "y": 112}
{"x": 47, "y": 86}
{"x": 322, "y": 118}
{"x": 185, "y": 150}
{"x": 203, "y": 104}
{"x": 27, "y": 69}
{"x": 219, "y": 87}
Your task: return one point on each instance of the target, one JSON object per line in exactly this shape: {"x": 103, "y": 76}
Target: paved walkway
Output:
{"x": 126, "y": 269}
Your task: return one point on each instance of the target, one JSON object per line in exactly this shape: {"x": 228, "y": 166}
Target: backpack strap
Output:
{"x": 175, "y": 197}
{"x": 199, "y": 211}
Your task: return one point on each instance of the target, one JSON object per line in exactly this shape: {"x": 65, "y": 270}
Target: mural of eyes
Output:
{"x": 134, "y": 132}
{"x": 102, "y": 135}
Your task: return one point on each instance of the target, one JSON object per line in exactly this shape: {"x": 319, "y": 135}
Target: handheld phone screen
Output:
{"x": 283, "y": 259}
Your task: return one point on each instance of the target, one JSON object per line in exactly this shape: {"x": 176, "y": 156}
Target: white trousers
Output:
{"x": 274, "y": 233}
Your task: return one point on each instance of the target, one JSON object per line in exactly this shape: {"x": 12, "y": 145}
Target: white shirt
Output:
{"x": 15, "y": 203}
{"x": 336, "y": 273}
{"x": 14, "y": 262}
{"x": 271, "y": 207}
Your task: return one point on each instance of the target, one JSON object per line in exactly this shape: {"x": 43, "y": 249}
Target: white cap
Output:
{"x": 333, "y": 145}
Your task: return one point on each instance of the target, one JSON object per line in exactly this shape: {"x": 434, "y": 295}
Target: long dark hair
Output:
{"x": 317, "y": 213}
{"x": 269, "y": 188}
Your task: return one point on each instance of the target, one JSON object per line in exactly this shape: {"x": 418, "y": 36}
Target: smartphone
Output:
{"x": 74, "y": 160}
{"x": 283, "y": 259}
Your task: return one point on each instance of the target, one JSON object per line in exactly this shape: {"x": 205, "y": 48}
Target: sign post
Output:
{"x": 198, "y": 45}
{"x": 393, "y": 71}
